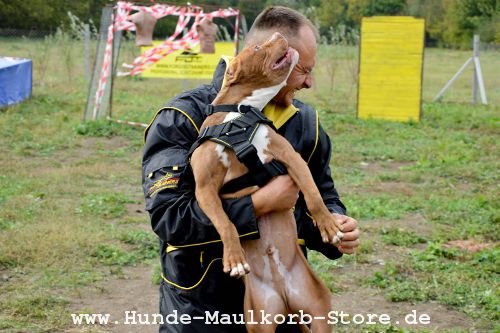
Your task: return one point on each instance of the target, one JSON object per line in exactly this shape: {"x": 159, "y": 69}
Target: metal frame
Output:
{"x": 477, "y": 83}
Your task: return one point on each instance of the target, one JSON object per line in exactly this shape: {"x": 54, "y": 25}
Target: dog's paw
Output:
{"x": 331, "y": 230}
{"x": 337, "y": 238}
{"x": 330, "y": 233}
{"x": 240, "y": 270}
{"x": 235, "y": 264}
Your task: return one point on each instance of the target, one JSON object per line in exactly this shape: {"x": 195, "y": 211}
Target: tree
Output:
{"x": 332, "y": 14}
{"x": 433, "y": 12}
{"x": 464, "y": 18}
{"x": 360, "y": 8}
{"x": 46, "y": 15}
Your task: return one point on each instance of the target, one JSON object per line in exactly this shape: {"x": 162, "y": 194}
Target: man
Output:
{"x": 193, "y": 282}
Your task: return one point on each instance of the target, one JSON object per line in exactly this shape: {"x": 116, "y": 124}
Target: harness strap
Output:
{"x": 237, "y": 134}
{"x": 261, "y": 176}
{"x": 234, "y": 131}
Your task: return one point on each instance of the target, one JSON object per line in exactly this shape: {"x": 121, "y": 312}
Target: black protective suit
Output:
{"x": 193, "y": 281}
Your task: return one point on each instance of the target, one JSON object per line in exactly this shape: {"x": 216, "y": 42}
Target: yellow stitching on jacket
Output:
{"x": 317, "y": 137}
{"x": 196, "y": 284}
{"x": 227, "y": 60}
{"x": 171, "y": 248}
{"x": 188, "y": 117}
{"x": 175, "y": 109}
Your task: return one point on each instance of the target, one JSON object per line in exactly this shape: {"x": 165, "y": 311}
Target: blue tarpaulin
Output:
{"x": 15, "y": 80}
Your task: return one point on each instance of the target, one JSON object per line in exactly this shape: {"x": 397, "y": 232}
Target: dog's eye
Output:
{"x": 256, "y": 48}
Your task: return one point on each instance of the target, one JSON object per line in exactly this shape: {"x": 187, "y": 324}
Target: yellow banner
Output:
{"x": 189, "y": 64}
{"x": 390, "y": 68}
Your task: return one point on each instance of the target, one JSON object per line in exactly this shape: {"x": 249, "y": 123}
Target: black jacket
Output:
{"x": 193, "y": 281}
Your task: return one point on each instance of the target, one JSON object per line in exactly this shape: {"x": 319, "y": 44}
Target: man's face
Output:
{"x": 301, "y": 76}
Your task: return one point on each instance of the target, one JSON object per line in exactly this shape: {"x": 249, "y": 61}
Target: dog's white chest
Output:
{"x": 261, "y": 141}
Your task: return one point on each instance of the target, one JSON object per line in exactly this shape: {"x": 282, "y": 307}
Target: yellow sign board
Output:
{"x": 390, "y": 68}
{"x": 189, "y": 64}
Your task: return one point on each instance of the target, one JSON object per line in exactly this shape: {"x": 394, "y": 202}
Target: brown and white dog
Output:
{"x": 281, "y": 281}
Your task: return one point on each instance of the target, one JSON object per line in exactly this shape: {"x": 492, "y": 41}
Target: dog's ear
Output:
{"x": 233, "y": 72}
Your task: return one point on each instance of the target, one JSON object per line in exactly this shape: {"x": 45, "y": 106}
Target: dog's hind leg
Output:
{"x": 314, "y": 297}
{"x": 262, "y": 304}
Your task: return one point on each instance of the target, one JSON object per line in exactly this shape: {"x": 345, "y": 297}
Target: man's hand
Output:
{"x": 281, "y": 193}
{"x": 350, "y": 241}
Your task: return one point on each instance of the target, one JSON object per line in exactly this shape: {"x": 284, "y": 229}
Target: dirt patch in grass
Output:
{"x": 375, "y": 168}
{"x": 392, "y": 187}
{"x": 414, "y": 222}
{"x": 136, "y": 210}
{"x": 470, "y": 245}
{"x": 93, "y": 143}
{"x": 89, "y": 148}
{"x": 132, "y": 291}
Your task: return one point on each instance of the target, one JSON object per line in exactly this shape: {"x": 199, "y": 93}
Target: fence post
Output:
{"x": 478, "y": 73}
{"x": 477, "y": 83}
{"x": 475, "y": 46}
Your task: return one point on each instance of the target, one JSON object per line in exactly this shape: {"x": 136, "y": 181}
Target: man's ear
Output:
{"x": 233, "y": 72}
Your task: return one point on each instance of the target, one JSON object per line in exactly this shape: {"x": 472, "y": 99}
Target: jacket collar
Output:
{"x": 220, "y": 71}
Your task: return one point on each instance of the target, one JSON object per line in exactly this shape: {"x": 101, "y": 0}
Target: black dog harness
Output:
{"x": 237, "y": 134}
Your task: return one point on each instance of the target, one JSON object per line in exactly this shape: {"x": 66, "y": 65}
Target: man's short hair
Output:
{"x": 285, "y": 20}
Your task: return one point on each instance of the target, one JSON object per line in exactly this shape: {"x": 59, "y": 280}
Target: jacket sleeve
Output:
{"x": 319, "y": 165}
{"x": 168, "y": 186}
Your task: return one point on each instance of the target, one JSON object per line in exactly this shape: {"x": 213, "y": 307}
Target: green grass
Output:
{"x": 449, "y": 276}
{"x": 66, "y": 187}
{"x": 399, "y": 237}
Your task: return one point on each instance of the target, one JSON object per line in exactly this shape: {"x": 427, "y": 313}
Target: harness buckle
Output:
{"x": 243, "y": 108}
{"x": 209, "y": 110}
{"x": 247, "y": 154}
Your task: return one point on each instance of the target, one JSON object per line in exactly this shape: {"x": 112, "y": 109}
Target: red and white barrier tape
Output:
{"x": 126, "y": 122}
{"x": 122, "y": 22}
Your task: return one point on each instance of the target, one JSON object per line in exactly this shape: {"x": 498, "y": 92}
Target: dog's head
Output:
{"x": 260, "y": 71}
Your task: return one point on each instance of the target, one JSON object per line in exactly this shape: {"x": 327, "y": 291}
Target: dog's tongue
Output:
{"x": 289, "y": 54}
{"x": 287, "y": 58}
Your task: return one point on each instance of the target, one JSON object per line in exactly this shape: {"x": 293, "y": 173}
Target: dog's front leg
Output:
{"x": 297, "y": 168}
{"x": 209, "y": 175}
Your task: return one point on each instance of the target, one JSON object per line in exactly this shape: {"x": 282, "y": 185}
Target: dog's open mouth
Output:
{"x": 285, "y": 59}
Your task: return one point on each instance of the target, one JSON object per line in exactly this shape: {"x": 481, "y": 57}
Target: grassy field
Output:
{"x": 425, "y": 194}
